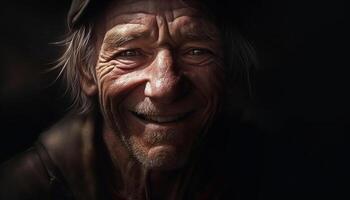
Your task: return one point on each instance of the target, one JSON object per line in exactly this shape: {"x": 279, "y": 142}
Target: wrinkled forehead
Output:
{"x": 126, "y": 11}
{"x": 151, "y": 6}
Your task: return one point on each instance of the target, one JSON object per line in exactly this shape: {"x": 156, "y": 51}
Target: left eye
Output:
{"x": 198, "y": 52}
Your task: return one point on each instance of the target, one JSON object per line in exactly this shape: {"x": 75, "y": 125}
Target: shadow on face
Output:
{"x": 159, "y": 76}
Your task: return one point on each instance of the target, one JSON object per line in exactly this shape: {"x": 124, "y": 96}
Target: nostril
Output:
{"x": 148, "y": 89}
{"x": 168, "y": 89}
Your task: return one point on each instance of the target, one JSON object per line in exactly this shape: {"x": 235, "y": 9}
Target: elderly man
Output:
{"x": 157, "y": 90}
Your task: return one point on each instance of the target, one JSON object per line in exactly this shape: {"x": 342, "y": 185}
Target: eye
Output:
{"x": 128, "y": 59}
{"x": 130, "y": 53}
{"x": 197, "y": 56}
{"x": 198, "y": 52}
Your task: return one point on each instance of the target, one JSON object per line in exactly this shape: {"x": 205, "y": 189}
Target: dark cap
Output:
{"x": 81, "y": 10}
{"x": 76, "y": 11}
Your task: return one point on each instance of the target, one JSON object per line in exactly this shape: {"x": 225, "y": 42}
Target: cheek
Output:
{"x": 114, "y": 82}
{"x": 114, "y": 85}
{"x": 208, "y": 81}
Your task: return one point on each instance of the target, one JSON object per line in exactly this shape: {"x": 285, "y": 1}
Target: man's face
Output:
{"x": 159, "y": 77}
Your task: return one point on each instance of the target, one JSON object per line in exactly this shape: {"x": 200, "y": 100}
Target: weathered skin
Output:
{"x": 162, "y": 60}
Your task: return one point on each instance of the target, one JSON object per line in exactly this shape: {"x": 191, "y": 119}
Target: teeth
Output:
{"x": 162, "y": 119}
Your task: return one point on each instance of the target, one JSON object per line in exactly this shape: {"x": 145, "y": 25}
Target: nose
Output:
{"x": 166, "y": 83}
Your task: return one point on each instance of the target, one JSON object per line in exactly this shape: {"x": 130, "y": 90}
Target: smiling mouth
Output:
{"x": 155, "y": 118}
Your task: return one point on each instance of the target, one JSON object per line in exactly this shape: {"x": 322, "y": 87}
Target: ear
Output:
{"x": 88, "y": 83}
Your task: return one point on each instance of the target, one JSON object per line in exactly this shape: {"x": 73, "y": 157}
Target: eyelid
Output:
{"x": 204, "y": 51}
{"x": 130, "y": 62}
{"x": 137, "y": 51}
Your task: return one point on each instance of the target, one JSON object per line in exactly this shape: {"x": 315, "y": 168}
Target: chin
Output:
{"x": 161, "y": 157}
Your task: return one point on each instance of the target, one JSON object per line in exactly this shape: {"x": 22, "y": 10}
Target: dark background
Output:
{"x": 301, "y": 89}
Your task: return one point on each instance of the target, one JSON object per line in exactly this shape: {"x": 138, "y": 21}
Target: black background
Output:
{"x": 301, "y": 89}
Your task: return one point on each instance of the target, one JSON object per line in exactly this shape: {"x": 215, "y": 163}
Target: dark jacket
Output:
{"x": 65, "y": 164}
{"x": 58, "y": 166}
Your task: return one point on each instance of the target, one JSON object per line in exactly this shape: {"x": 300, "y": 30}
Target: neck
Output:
{"x": 163, "y": 184}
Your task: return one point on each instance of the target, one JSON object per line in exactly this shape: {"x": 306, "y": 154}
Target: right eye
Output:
{"x": 129, "y": 53}
{"x": 130, "y": 58}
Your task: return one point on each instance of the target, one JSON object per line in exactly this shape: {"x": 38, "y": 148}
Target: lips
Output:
{"x": 159, "y": 118}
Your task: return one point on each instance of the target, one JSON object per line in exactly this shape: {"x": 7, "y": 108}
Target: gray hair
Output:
{"x": 78, "y": 57}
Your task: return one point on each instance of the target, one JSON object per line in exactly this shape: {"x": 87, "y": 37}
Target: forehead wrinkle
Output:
{"x": 180, "y": 12}
{"x": 150, "y": 6}
{"x": 128, "y": 18}
{"x": 139, "y": 16}
{"x": 170, "y": 8}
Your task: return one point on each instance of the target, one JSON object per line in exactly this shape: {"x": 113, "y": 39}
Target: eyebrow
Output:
{"x": 117, "y": 39}
{"x": 195, "y": 36}
{"x": 201, "y": 34}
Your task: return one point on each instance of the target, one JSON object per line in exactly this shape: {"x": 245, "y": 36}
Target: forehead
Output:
{"x": 149, "y": 6}
{"x": 129, "y": 19}
{"x": 145, "y": 12}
